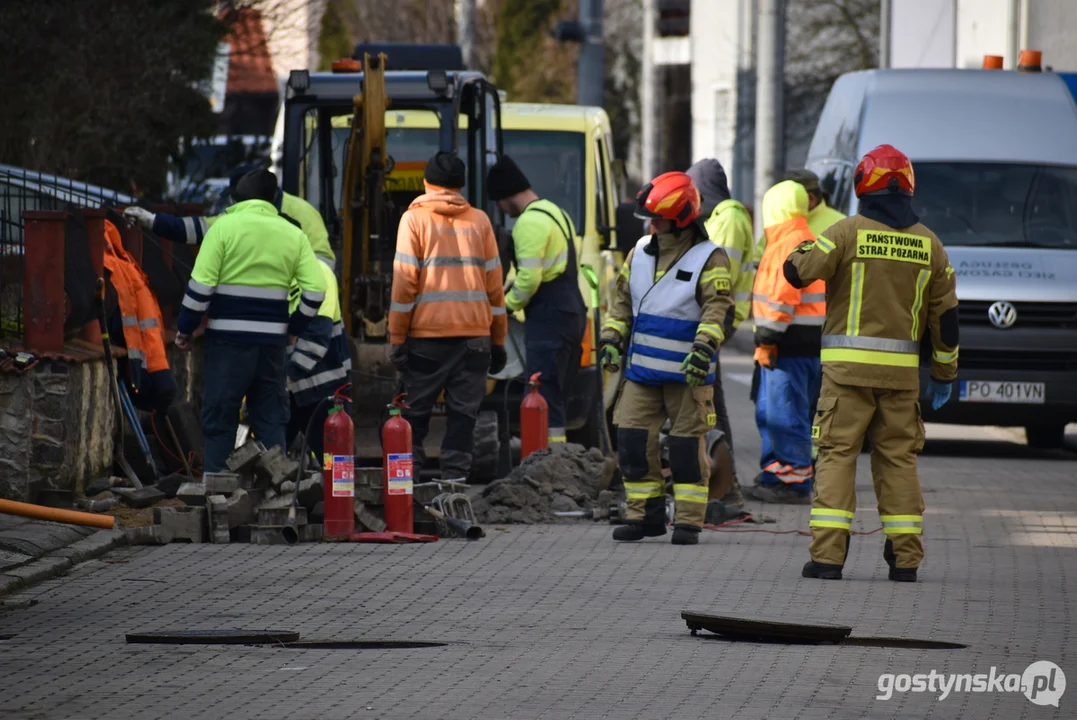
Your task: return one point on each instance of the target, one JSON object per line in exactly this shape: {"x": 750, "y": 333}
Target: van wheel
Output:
{"x": 486, "y": 453}
{"x": 1045, "y": 437}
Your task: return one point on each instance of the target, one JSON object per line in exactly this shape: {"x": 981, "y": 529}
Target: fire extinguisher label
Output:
{"x": 343, "y": 476}
{"x": 399, "y": 474}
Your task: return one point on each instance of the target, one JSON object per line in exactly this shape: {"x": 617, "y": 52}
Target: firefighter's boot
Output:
{"x": 684, "y": 535}
{"x": 822, "y": 571}
{"x": 633, "y": 532}
{"x": 897, "y": 574}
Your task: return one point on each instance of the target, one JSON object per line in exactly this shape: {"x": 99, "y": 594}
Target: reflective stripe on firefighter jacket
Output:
{"x": 140, "y": 316}
{"x": 785, "y": 316}
{"x": 242, "y": 276}
{"x": 666, "y": 314}
{"x": 446, "y": 272}
{"x": 730, "y": 227}
{"x": 320, "y": 360}
{"x": 192, "y": 230}
{"x": 885, "y": 288}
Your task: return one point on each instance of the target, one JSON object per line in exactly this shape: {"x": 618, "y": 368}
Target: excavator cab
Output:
{"x": 335, "y": 151}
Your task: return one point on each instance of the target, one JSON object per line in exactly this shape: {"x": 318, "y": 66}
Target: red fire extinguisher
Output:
{"x": 398, "y": 474}
{"x": 534, "y": 420}
{"x": 338, "y": 477}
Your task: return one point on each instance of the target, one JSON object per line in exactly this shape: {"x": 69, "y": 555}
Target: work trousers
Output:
{"x": 891, "y": 419}
{"x": 458, "y": 366}
{"x": 641, "y": 411}
{"x": 783, "y": 411}
{"x": 552, "y": 340}
{"x": 233, "y": 371}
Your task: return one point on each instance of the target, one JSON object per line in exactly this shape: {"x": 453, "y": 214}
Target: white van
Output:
{"x": 995, "y": 158}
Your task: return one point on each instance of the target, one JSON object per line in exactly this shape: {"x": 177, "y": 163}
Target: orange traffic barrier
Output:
{"x": 40, "y": 512}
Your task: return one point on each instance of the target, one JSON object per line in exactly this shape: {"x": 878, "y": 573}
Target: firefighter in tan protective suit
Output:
{"x": 888, "y": 281}
{"x": 672, "y": 310}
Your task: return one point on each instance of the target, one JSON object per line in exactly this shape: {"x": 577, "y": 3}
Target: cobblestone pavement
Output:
{"x": 559, "y": 622}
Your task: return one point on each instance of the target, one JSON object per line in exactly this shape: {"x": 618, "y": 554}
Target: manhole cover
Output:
{"x": 361, "y": 645}
{"x": 215, "y": 637}
{"x": 782, "y": 631}
{"x": 765, "y": 630}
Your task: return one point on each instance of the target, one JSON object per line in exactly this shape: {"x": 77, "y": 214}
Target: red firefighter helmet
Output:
{"x": 670, "y": 196}
{"x": 884, "y": 169}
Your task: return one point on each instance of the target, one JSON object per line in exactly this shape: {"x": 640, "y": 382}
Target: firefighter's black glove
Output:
{"x": 498, "y": 358}
{"x": 697, "y": 364}
{"x": 399, "y": 357}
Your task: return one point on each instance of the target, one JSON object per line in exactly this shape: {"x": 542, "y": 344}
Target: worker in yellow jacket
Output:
{"x": 888, "y": 283}
{"x": 820, "y": 215}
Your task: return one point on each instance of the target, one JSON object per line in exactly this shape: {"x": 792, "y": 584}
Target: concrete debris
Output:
{"x": 245, "y": 456}
{"x": 311, "y": 532}
{"x": 368, "y": 520}
{"x": 368, "y": 485}
{"x": 141, "y": 498}
{"x": 240, "y": 508}
{"x": 183, "y": 523}
{"x": 217, "y": 517}
{"x": 150, "y": 535}
{"x": 192, "y": 493}
{"x": 287, "y": 487}
{"x": 241, "y": 534}
{"x": 311, "y": 492}
{"x": 220, "y": 483}
{"x": 564, "y": 478}
{"x": 268, "y": 535}
{"x": 279, "y": 516}
{"x": 275, "y": 468}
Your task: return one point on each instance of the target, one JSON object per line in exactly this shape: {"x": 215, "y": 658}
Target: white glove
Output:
{"x": 141, "y": 216}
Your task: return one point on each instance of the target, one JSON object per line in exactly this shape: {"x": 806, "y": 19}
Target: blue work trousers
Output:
{"x": 783, "y": 413}
{"x": 234, "y": 371}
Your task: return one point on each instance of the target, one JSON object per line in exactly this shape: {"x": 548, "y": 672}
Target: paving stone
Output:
{"x": 192, "y": 493}
{"x": 149, "y": 535}
{"x": 182, "y": 523}
{"x": 140, "y": 498}
{"x": 220, "y": 483}
{"x": 245, "y": 456}
{"x": 240, "y": 508}
{"x": 170, "y": 484}
{"x": 275, "y": 467}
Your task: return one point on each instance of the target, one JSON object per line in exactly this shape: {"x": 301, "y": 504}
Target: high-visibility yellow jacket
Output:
{"x": 540, "y": 240}
{"x": 730, "y": 227}
{"x": 885, "y": 288}
{"x": 820, "y": 218}
{"x": 787, "y": 316}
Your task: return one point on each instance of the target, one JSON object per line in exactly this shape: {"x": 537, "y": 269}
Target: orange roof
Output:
{"x": 250, "y": 68}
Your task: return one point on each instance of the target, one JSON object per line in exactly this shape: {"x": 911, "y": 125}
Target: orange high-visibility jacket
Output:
{"x": 143, "y": 327}
{"x": 784, "y": 316}
{"x": 447, "y": 272}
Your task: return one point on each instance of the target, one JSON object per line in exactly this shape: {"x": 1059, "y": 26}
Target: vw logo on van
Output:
{"x": 1002, "y": 314}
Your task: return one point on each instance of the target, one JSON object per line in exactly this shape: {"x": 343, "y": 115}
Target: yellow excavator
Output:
{"x": 336, "y": 150}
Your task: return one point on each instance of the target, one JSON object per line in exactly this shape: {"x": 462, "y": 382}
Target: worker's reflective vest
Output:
{"x": 140, "y": 318}
{"x": 665, "y": 315}
{"x": 784, "y": 316}
{"x": 320, "y": 360}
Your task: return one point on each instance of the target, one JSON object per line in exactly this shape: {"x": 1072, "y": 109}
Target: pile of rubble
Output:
{"x": 249, "y": 503}
{"x": 567, "y": 478}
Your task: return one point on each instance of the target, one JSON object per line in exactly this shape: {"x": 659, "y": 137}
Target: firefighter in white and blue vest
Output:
{"x": 319, "y": 363}
{"x": 672, "y": 309}
{"x": 245, "y": 268}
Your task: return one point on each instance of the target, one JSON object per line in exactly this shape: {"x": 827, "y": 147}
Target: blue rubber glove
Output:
{"x": 939, "y": 392}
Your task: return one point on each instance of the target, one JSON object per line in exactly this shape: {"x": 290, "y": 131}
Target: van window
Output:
{"x": 554, "y": 163}
{"x": 998, "y": 204}
{"x": 602, "y": 208}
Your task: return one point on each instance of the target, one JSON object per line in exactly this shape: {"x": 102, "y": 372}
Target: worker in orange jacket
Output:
{"x": 788, "y": 328}
{"x": 447, "y": 320}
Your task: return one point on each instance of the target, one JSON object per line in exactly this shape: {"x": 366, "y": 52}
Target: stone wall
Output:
{"x": 57, "y": 423}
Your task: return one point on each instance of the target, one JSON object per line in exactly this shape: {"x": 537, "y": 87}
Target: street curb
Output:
{"x": 59, "y": 561}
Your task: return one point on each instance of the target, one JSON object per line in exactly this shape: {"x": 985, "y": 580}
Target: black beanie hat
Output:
{"x": 257, "y": 185}
{"x": 446, "y": 170}
{"x": 506, "y": 179}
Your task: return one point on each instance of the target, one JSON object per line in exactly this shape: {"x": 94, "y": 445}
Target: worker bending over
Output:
{"x": 248, "y": 261}
{"x": 672, "y": 309}
{"x": 447, "y": 319}
{"x": 546, "y": 286}
{"x": 788, "y": 324}
{"x": 888, "y": 282}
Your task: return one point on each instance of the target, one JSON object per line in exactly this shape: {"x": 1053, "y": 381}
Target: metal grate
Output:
{"x": 1029, "y": 314}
